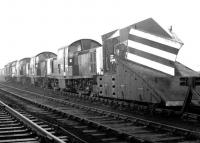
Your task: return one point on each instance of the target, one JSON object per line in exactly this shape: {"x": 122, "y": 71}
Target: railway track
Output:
{"x": 127, "y": 106}
{"x": 18, "y": 126}
{"x": 104, "y": 126}
{"x": 118, "y": 105}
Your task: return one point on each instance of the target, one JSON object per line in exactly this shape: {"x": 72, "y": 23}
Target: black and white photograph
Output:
{"x": 99, "y": 71}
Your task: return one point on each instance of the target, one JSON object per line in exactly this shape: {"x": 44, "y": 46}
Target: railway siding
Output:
{"x": 130, "y": 128}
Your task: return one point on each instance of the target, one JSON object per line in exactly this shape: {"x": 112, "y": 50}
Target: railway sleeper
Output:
{"x": 123, "y": 125}
{"x": 83, "y": 120}
{"x": 173, "y": 130}
{"x": 97, "y": 117}
{"x": 89, "y": 131}
{"x": 68, "y": 122}
{"x": 189, "y": 141}
{"x": 10, "y": 125}
{"x": 98, "y": 135}
{"x": 109, "y": 139}
{"x": 111, "y": 123}
{"x": 170, "y": 139}
{"x": 14, "y": 131}
{"x": 32, "y": 140}
{"x": 8, "y": 122}
{"x": 136, "y": 131}
{"x": 15, "y": 136}
{"x": 4, "y": 117}
{"x": 11, "y": 128}
{"x": 80, "y": 127}
{"x": 45, "y": 126}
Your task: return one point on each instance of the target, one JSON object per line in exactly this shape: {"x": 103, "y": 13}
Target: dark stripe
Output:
{"x": 151, "y": 57}
{"x": 153, "y": 44}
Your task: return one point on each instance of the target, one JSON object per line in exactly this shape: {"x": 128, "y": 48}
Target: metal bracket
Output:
{"x": 191, "y": 82}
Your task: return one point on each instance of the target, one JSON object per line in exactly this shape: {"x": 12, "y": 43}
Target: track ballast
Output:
{"x": 101, "y": 124}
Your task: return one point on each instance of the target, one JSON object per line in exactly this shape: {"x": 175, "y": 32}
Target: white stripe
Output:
{"x": 155, "y": 38}
{"x": 151, "y": 64}
{"x": 151, "y": 50}
{"x": 114, "y": 35}
{"x": 99, "y": 60}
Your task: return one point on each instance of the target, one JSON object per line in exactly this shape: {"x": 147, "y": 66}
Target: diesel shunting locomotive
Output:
{"x": 135, "y": 63}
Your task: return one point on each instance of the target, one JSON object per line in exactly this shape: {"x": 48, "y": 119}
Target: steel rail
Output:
{"x": 32, "y": 125}
{"x": 114, "y": 114}
{"x": 122, "y": 116}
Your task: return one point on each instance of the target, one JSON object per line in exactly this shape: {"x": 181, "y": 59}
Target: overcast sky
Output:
{"x": 28, "y": 27}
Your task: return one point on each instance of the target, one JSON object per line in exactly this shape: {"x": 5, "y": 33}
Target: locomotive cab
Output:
{"x": 79, "y": 63}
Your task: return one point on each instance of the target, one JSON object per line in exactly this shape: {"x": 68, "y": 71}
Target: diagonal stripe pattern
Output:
{"x": 152, "y": 51}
